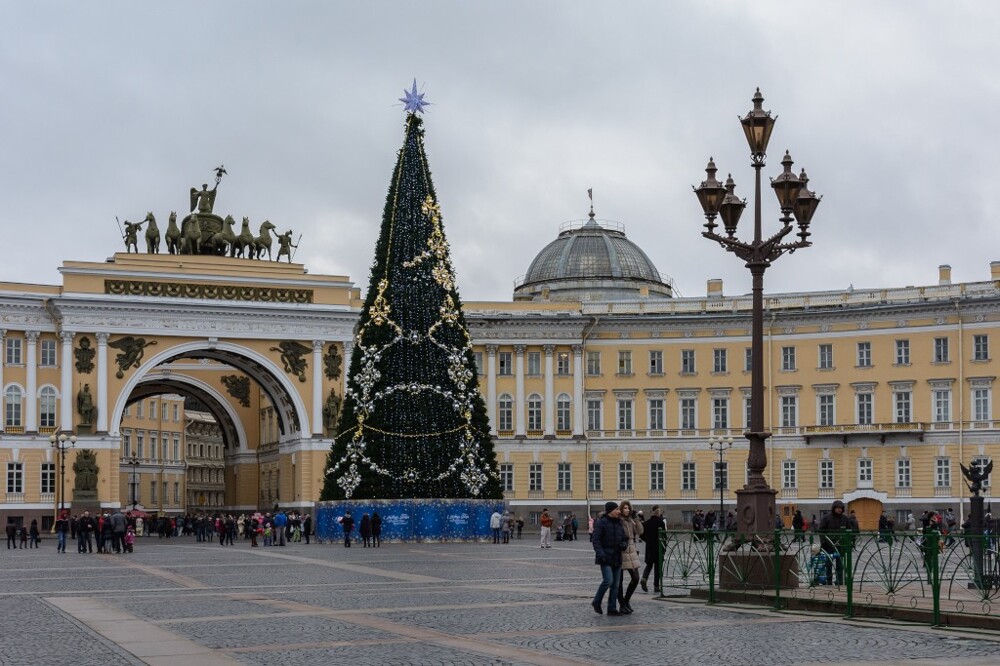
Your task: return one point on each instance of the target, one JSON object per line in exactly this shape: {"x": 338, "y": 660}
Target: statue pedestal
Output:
{"x": 85, "y": 500}
{"x": 755, "y": 512}
{"x": 756, "y": 571}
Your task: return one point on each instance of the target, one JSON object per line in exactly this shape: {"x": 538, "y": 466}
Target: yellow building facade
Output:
{"x": 600, "y": 384}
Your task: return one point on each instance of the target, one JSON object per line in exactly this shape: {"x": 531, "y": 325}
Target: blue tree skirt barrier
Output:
{"x": 414, "y": 519}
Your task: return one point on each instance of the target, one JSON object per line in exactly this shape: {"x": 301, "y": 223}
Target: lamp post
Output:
{"x": 755, "y": 502}
{"x": 62, "y": 442}
{"x": 134, "y": 485}
{"x": 720, "y": 444}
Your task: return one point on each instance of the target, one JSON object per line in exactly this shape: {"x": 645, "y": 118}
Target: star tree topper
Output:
{"x": 412, "y": 100}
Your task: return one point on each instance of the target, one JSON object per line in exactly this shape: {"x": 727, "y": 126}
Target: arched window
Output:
{"x": 563, "y": 413}
{"x": 534, "y": 412}
{"x": 47, "y": 407}
{"x": 13, "y": 398}
{"x": 505, "y": 412}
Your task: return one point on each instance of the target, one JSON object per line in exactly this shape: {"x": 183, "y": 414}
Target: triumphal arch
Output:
{"x": 259, "y": 344}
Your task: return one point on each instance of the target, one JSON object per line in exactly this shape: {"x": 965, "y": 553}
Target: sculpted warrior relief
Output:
{"x": 202, "y": 231}
{"x": 292, "y": 354}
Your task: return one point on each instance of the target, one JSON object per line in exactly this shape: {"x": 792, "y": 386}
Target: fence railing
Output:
{"x": 939, "y": 574}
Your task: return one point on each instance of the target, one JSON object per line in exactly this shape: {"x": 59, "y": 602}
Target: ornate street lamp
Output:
{"x": 134, "y": 485}
{"x": 755, "y": 502}
{"x": 720, "y": 444}
{"x": 61, "y": 443}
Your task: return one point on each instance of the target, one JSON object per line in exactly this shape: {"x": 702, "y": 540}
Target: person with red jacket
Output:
{"x": 546, "y": 522}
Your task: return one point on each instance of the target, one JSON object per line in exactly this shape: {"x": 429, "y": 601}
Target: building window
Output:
{"x": 941, "y": 350}
{"x": 979, "y": 465}
{"x": 593, "y": 363}
{"x": 507, "y": 477}
{"x": 864, "y": 354}
{"x": 789, "y": 476}
{"x": 789, "y": 411}
{"x": 942, "y": 473}
{"x": 688, "y": 476}
{"x": 535, "y": 476}
{"x": 479, "y": 368}
{"x": 562, "y": 364}
{"x": 595, "y": 409}
{"x": 826, "y": 474}
{"x": 154, "y": 442}
{"x": 47, "y": 407}
{"x": 14, "y": 351}
{"x": 747, "y": 411}
{"x": 980, "y": 348}
{"x": 625, "y": 414}
{"x": 624, "y": 362}
{"x": 13, "y": 398}
{"x": 563, "y": 412}
{"x": 687, "y": 362}
{"x": 505, "y": 365}
{"x": 719, "y": 361}
{"x": 826, "y": 357}
{"x": 656, "y": 362}
{"x": 534, "y": 363}
{"x": 720, "y": 413}
{"x": 689, "y": 413}
{"x": 152, "y": 409}
{"x": 534, "y": 412}
{"x": 564, "y": 477}
{"x": 177, "y": 492}
{"x": 177, "y": 412}
{"x": 140, "y": 445}
{"x": 721, "y": 479}
{"x": 48, "y": 480}
{"x": 505, "y": 413}
{"x": 942, "y": 405}
{"x": 15, "y": 477}
{"x": 748, "y": 359}
{"x": 826, "y": 410}
{"x": 903, "y": 473}
{"x": 902, "y": 407}
{"x": 981, "y": 404}
{"x": 656, "y": 414}
{"x": 177, "y": 447}
{"x": 138, "y": 409}
{"x": 126, "y": 443}
{"x": 865, "y": 472}
{"x": 152, "y": 492}
{"x": 656, "y": 476}
{"x": 865, "y": 408}
{"x": 624, "y": 476}
{"x": 902, "y": 352}
{"x": 47, "y": 355}
{"x": 594, "y": 477}
{"x": 788, "y": 358}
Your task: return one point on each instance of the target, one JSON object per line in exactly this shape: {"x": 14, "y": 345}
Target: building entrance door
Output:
{"x": 867, "y": 511}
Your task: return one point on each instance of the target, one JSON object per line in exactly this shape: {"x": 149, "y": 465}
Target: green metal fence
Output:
{"x": 938, "y": 576}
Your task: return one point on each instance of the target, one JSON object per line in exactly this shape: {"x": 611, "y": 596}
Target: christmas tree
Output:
{"x": 413, "y": 423}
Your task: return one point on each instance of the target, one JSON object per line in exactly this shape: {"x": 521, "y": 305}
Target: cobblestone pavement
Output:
{"x": 180, "y": 602}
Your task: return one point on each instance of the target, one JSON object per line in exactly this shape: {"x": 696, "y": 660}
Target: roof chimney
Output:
{"x": 715, "y": 288}
{"x": 944, "y": 275}
{"x": 995, "y": 270}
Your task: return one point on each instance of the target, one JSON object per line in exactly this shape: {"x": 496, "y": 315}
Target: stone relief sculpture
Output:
{"x": 238, "y": 387}
{"x": 84, "y": 355}
{"x": 332, "y": 361}
{"x": 132, "y": 349}
{"x": 85, "y": 406}
{"x": 292, "y": 354}
{"x": 331, "y": 411}
{"x": 86, "y": 470}
{"x": 976, "y": 476}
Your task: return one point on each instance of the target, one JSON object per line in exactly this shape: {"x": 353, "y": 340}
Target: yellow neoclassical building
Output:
{"x": 599, "y": 381}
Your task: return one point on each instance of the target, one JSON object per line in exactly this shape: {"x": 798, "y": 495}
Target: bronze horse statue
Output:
{"x": 173, "y": 235}
{"x": 263, "y": 241}
{"x": 244, "y": 242}
{"x": 191, "y": 235}
{"x": 152, "y": 235}
{"x": 225, "y": 239}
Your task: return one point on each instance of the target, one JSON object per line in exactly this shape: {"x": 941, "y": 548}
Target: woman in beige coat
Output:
{"x": 630, "y": 555}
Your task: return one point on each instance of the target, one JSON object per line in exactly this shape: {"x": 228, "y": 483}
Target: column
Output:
{"x": 491, "y": 387}
{"x": 31, "y": 388}
{"x": 578, "y": 411}
{"x": 348, "y": 352}
{"x": 317, "y": 388}
{"x": 102, "y": 382}
{"x": 3, "y": 360}
{"x": 519, "y": 430}
{"x": 66, "y": 388}
{"x": 550, "y": 398}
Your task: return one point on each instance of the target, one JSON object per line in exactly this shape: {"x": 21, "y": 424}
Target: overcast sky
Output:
{"x": 115, "y": 109}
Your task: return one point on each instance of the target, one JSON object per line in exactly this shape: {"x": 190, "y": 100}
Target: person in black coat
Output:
{"x": 609, "y": 541}
{"x": 347, "y": 522}
{"x": 833, "y": 529}
{"x": 377, "y": 529}
{"x": 307, "y": 527}
{"x": 651, "y": 535}
{"x": 366, "y": 529}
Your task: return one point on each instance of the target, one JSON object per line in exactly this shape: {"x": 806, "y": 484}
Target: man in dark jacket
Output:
{"x": 651, "y": 535}
{"x": 84, "y": 530}
{"x": 348, "y": 524}
{"x": 608, "y": 540}
{"x": 833, "y": 529}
